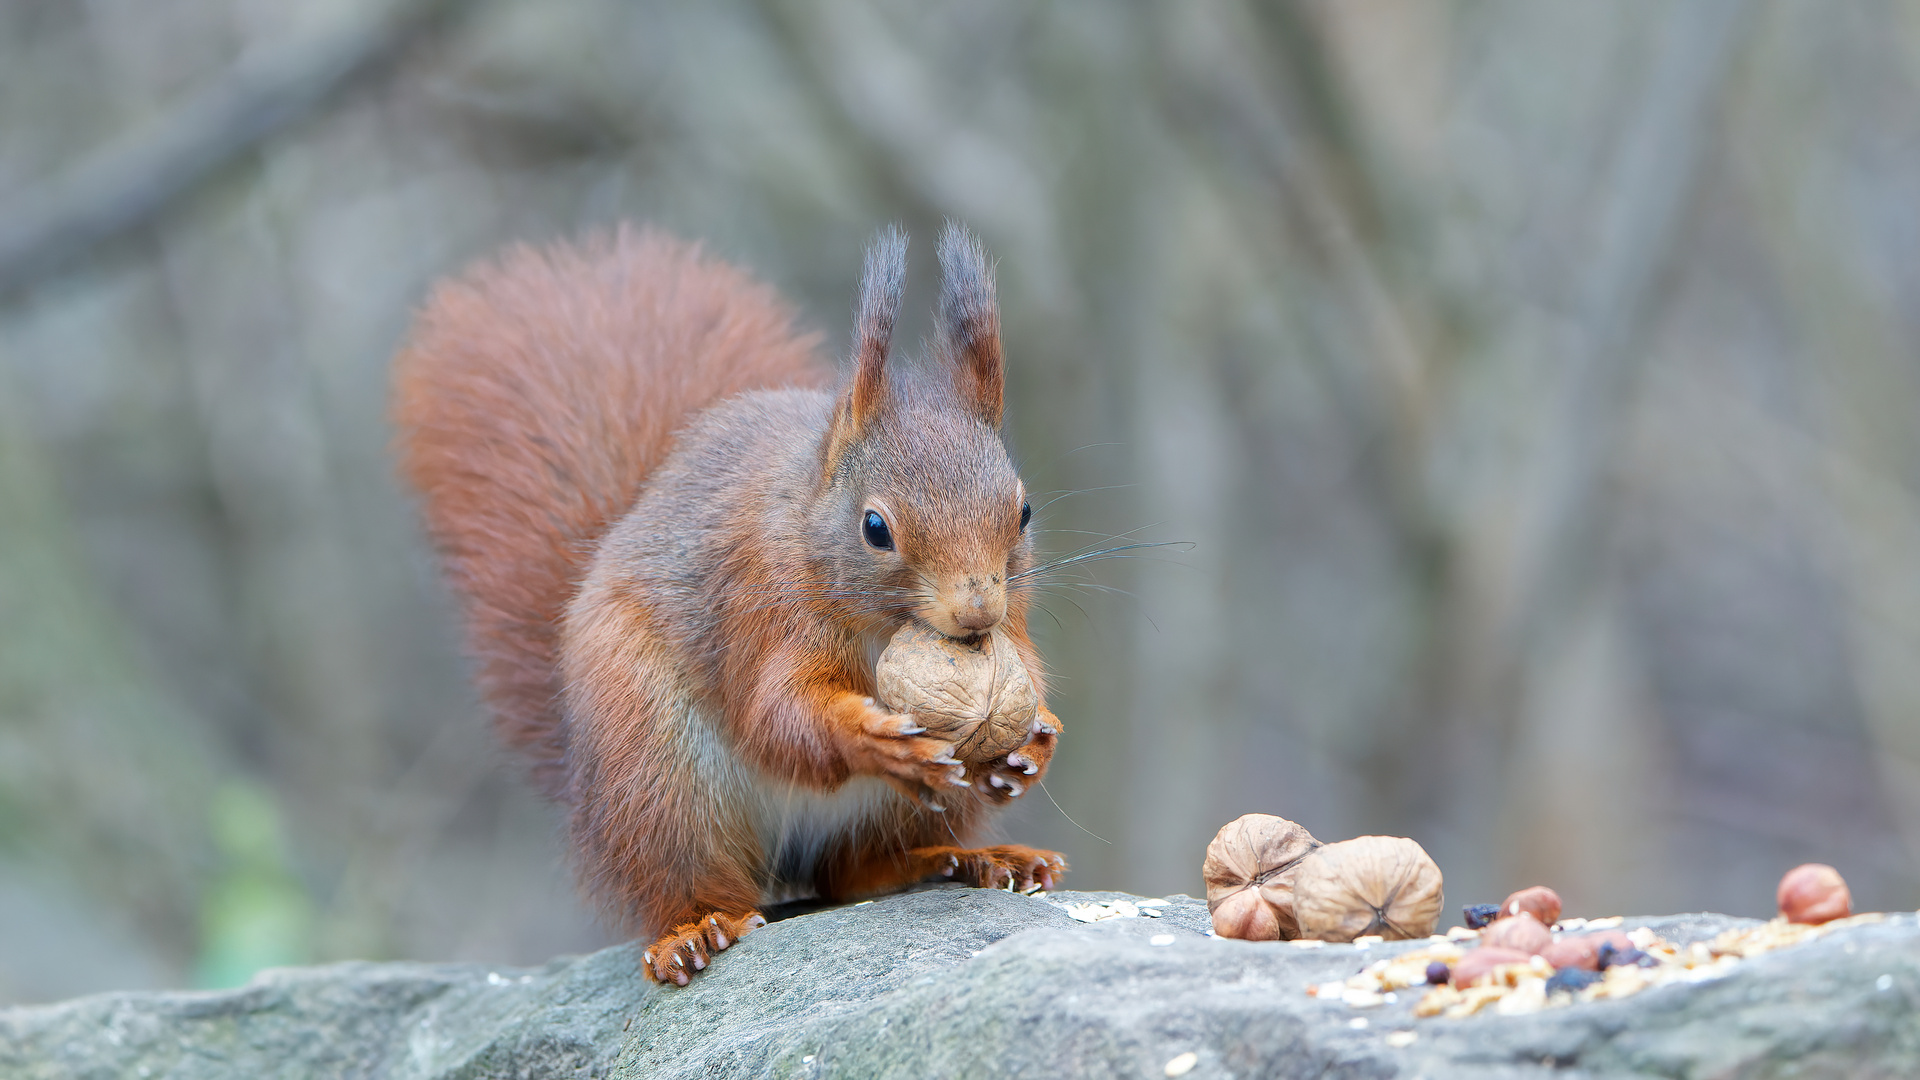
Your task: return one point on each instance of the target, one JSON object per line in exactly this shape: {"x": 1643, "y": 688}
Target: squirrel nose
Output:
{"x": 976, "y": 616}
{"x": 976, "y": 604}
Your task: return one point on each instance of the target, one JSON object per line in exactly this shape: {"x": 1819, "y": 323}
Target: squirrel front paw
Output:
{"x": 895, "y": 745}
{"x": 1007, "y": 778}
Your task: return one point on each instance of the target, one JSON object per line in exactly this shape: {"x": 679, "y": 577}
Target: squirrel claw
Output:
{"x": 1023, "y": 869}
{"x": 691, "y": 947}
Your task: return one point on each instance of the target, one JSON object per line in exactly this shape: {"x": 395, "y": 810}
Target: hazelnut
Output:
{"x": 1522, "y": 933}
{"x": 976, "y": 693}
{"x": 1475, "y": 966}
{"x": 1814, "y": 893}
{"x": 1385, "y": 885}
{"x": 1539, "y": 901}
{"x": 1249, "y": 875}
{"x": 1582, "y": 951}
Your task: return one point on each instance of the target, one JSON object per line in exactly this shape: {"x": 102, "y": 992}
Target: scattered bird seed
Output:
{"x": 1094, "y": 911}
{"x": 1517, "y": 989}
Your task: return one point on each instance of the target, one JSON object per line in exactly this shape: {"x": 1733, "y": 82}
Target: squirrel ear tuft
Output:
{"x": 880, "y": 286}
{"x": 866, "y": 394}
{"x": 969, "y": 323}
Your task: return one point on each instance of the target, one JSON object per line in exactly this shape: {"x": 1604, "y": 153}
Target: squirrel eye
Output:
{"x": 874, "y": 528}
{"x": 1026, "y": 515}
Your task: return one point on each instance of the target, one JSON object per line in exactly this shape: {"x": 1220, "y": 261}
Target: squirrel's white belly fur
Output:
{"x": 796, "y": 826}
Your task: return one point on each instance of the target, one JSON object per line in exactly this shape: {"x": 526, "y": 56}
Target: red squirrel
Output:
{"x": 680, "y": 555}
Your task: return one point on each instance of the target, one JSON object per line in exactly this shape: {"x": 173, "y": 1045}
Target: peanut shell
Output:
{"x": 975, "y": 693}
{"x": 1477, "y": 964}
{"x": 1583, "y": 950}
{"x": 1385, "y": 885}
{"x": 1522, "y": 932}
{"x": 1249, "y": 875}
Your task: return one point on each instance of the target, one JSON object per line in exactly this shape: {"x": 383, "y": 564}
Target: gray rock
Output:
{"x": 964, "y": 982}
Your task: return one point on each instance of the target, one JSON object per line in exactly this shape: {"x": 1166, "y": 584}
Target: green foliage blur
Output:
{"x": 255, "y": 914}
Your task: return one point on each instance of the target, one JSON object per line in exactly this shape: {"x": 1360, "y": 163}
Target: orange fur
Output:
{"x": 658, "y": 520}
{"x": 535, "y": 394}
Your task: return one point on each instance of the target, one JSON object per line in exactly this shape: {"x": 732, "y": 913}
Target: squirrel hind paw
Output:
{"x": 691, "y": 946}
{"x": 1013, "y": 866}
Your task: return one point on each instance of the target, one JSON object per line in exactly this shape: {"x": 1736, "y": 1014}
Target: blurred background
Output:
{"x": 1535, "y": 383}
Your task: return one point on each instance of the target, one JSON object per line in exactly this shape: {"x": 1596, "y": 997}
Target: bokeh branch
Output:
{"x": 1635, "y": 229}
{"x": 127, "y": 182}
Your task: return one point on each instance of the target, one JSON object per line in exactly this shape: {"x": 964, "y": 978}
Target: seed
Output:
{"x": 1612, "y": 955}
{"x": 1479, "y": 915}
{"x": 1571, "y": 980}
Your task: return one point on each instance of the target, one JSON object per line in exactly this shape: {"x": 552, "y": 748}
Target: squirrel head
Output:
{"x": 925, "y": 510}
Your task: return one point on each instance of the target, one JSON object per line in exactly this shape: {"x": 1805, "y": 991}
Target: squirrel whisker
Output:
{"x": 1090, "y": 556}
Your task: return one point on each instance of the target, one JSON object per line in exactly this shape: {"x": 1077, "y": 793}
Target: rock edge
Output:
{"x": 969, "y": 982}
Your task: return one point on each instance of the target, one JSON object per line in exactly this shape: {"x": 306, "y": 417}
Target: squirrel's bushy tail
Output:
{"x": 534, "y": 397}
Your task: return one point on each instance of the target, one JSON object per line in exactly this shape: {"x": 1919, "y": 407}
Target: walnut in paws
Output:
{"x": 976, "y": 694}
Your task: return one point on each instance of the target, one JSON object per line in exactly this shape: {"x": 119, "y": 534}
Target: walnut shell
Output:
{"x": 976, "y": 693}
{"x": 1249, "y": 875}
{"x": 1385, "y": 885}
